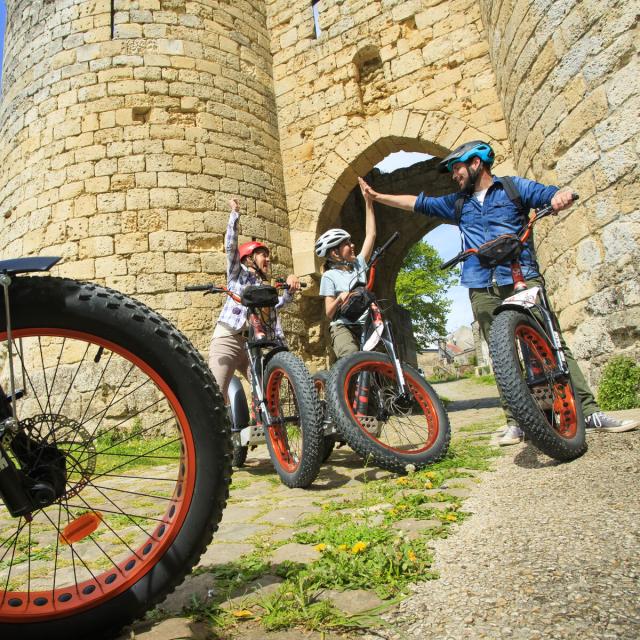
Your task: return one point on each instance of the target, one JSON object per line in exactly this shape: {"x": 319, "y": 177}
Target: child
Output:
{"x": 247, "y": 264}
{"x": 342, "y": 270}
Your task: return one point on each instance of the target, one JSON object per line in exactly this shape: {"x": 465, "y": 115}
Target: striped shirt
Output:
{"x": 233, "y": 317}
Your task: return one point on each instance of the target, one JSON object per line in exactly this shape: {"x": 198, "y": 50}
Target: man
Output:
{"x": 484, "y": 210}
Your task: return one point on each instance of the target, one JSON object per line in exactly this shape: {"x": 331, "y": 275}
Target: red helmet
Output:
{"x": 248, "y": 248}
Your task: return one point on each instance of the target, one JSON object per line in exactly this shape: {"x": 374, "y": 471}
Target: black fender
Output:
{"x": 238, "y": 404}
{"x": 25, "y": 265}
{"x": 513, "y": 307}
{"x": 272, "y": 353}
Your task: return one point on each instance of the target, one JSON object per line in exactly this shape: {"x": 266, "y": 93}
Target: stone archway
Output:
{"x": 331, "y": 198}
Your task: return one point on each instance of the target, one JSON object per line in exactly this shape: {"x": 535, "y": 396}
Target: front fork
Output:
{"x": 361, "y": 400}
{"x": 12, "y": 486}
{"x": 550, "y": 327}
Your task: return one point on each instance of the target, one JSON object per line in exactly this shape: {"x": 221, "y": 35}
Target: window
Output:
{"x": 316, "y": 17}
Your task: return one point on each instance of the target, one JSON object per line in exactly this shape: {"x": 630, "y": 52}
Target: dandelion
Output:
{"x": 451, "y": 517}
{"x": 359, "y": 547}
{"x": 412, "y": 556}
{"x": 342, "y": 547}
{"x": 320, "y": 547}
{"x": 403, "y": 480}
{"x": 430, "y": 474}
{"x": 428, "y": 484}
{"x": 242, "y": 613}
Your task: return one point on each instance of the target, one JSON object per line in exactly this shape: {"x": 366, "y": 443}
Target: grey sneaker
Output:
{"x": 513, "y": 435}
{"x": 600, "y": 421}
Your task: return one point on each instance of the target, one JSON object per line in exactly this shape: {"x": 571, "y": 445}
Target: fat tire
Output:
{"x": 310, "y": 421}
{"x": 49, "y": 302}
{"x": 239, "y": 456}
{"x": 366, "y": 446}
{"x": 517, "y": 395}
{"x": 320, "y": 381}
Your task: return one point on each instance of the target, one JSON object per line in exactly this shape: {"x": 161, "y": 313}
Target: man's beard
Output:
{"x": 469, "y": 185}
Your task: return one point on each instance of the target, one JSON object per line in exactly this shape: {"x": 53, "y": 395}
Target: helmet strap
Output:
{"x": 259, "y": 272}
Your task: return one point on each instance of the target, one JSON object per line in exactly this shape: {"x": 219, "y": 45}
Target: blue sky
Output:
{"x": 445, "y": 238}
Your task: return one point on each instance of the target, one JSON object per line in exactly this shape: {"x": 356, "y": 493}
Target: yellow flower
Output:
{"x": 412, "y": 556}
{"x": 428, "y": 484}
{"x": 430, "y": 474}
{"x": 242, "y": 613}
{"x": 452, "y": 517}
{"x": 359, "y": 547}
{"x": 320, "y": 547}
{"x": 342, "y": 547}
{"x": 402, "y": 480}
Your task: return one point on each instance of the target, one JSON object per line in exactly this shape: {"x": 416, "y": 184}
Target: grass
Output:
{"x": 361, "y": 546}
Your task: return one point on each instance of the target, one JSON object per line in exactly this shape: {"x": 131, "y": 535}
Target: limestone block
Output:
{"x": 136, "y": 242}
{"x": 163, "y": 198}
{"x": 146, "y": 263}
{"x": 156, "y": 283}
{"x": 167, "y": 241}
{"x": 110, "y": 266}
{"x": 77, "y": 269}
{"x": 95, "y": 247}
{"x": 97, "y": 185}
{"x": 111, "y": 201}
{"x": 152, "y": 220}
{"x": 182, "y": 262}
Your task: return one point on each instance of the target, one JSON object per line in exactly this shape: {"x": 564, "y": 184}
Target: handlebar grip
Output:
{"x": 450, "y": 263}
{"x": 390, "y": 241}
{"x": 198, "y": 287}
{"x": 574, "y": 196}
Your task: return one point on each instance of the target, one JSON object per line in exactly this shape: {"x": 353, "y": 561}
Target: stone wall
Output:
{"x": 567, "y": 73}
{"x": 122, "y": 138}
{"x": 383, "y": 76}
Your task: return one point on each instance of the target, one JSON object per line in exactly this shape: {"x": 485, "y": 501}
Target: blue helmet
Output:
{"x": 466, "y": 151}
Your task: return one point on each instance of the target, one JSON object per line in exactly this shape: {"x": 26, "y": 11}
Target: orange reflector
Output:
{"x": 81, "y": 527}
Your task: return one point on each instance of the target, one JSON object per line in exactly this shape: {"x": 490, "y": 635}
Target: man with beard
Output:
{"x": 484, "y": 208}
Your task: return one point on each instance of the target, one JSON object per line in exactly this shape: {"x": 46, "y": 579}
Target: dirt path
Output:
{"x": 551, "y": 550}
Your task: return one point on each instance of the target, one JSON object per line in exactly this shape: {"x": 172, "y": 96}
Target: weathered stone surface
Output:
{"x": 149, "y": 132}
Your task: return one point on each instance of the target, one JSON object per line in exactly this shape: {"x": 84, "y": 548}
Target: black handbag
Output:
{"x": 356, "y": 304}
{"x": 503, "y": 249}
{"x": 259, "y": 296}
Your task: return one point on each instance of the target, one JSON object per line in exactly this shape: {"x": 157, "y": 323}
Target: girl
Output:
{"x": 342, "y": 270}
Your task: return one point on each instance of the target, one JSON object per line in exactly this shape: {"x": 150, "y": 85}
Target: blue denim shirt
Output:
{"x": 481, "y": 223}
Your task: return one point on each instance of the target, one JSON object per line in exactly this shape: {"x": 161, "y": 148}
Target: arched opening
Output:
{"x": 343, "y": 208}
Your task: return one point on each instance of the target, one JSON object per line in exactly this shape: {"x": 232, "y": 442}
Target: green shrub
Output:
{"x": 620, "y": 385}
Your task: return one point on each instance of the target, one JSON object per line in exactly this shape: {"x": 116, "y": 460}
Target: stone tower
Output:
{"x": 123, "y": 133}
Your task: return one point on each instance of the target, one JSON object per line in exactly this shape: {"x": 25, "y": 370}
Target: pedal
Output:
{"x": 252, "y": 435}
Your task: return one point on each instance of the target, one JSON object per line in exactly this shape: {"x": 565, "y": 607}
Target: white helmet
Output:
{"x": 330, "y": 239}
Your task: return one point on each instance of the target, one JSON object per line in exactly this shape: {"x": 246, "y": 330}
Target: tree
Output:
{"x": 420, "y": 288}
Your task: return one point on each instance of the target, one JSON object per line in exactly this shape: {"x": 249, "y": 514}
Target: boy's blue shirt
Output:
{"x": 481, "y": 223}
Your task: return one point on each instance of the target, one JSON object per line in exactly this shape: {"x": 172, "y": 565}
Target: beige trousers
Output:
{"x": 226, "y": 356}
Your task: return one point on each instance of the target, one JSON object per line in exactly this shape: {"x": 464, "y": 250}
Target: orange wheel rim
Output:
{"x": 33, "y": 605}
{"x": 563, "y": 407}
{"x": 280, "y": 409}
{"x": 425, "y": 427}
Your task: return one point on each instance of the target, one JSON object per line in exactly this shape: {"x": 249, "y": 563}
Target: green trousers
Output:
{"x": 485, "y": 301}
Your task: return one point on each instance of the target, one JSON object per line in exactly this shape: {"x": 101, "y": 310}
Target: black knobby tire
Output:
{"x": 112, "y": 372}
{"x": 549, "y": 412}
{"x": 295, "y": 447}
{"x": 320, "y": 382}
{"x": 389, "y": 434}
{"x": 239, "y": 456}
